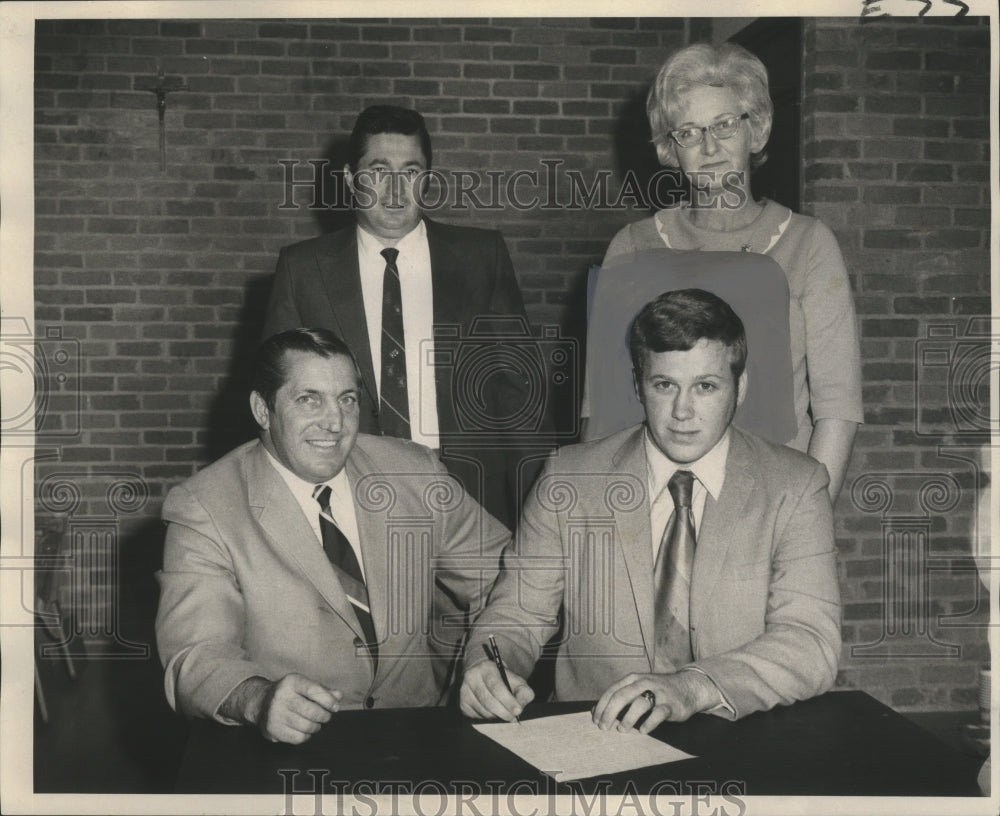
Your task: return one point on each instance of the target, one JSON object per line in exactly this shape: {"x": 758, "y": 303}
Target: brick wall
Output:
{"x": 161, "y": 277}
{"x": 897, "y": 163}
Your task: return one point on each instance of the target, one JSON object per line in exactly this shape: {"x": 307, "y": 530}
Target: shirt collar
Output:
{"x": 371, "y": 245}
{"x": 710, "y": 470}
{"x": 301, "y": 489}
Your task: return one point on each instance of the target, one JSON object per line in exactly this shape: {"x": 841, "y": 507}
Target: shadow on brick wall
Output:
{"x": 635, "y": 156}
{"x": 230, "y": 423}
{"x": 331, "y": 191}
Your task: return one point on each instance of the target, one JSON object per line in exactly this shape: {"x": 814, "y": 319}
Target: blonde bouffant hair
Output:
{"x": 727, "y": 65}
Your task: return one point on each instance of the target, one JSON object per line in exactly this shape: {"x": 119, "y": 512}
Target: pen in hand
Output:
{"x": 493, "y": 652}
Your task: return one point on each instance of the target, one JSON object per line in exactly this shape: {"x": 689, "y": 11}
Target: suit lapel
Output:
{"x": 374, "y": 543}
{"x": 448, "y": 278}
{"x": 634, "y": 534}
{"x": 341, "y": 276}
{"x": 282, "y": 520}
{"x": 718, "y": 524}
{"x": 453, "y": 303}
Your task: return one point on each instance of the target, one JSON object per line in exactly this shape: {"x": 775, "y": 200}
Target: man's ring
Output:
{"x": 648, "y": 695}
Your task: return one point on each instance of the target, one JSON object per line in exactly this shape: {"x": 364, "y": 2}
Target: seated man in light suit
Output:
{"x": 299, "y": 569}
{"x": 728, "y": 603}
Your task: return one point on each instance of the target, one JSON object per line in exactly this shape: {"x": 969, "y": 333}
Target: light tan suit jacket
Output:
{"x": 247, "y": 590}
{"x": 765, "y": 604}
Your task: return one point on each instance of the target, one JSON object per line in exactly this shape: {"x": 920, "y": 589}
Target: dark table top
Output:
{"x": 841, "y": 744}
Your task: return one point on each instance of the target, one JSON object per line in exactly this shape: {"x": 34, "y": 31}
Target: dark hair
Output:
{"x": 269, "y": 369}
{"x": 386, "y": 119}
{"x": 677, "y": 320}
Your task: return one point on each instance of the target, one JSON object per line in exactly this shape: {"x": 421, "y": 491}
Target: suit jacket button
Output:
{"x": 370, "y": 702}
{"x": 358, "y": 643}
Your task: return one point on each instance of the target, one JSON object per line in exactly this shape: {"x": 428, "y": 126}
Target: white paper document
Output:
{"x": 570, "y": 746}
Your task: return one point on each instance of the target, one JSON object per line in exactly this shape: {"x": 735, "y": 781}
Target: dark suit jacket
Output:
{"x": 246, "y": 588}
{"x": 318, "y": 285}
{"x": 765, "y": 603}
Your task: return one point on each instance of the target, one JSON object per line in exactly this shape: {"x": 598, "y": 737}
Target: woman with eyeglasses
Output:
{"x": 710, "y": 113}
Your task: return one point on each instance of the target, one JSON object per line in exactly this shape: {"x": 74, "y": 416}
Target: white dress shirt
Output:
{"x": 341, "y": 505}
{"x": 709, "y": 472}
{"x": 414, "y": 265}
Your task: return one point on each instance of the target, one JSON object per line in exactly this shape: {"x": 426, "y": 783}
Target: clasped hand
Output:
{"x": 291, "y": 709}
{"x": 677, "y": 697}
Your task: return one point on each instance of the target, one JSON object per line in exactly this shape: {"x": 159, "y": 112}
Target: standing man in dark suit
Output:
{"x": 694, "y": 562}
{"x": 299, "y": 569}
{"x": 410, "y": 296}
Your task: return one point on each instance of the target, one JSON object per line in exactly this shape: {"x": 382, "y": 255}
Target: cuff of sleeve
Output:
{"x": 202, "y": 696}
{"x": 722, "y": 708}
{"x": 233, "y": 682}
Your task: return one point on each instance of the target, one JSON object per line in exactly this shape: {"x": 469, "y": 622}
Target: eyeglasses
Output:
{"x": 723, "y": 129}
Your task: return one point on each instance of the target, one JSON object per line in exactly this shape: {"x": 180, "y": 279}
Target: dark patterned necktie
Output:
{"x": 394, "y": 404}
{"x": 345, "y": 563}
{"x": 672, "y": 579}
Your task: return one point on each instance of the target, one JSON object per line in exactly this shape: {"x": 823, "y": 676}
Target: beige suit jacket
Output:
{"x": 246, "y": 588}
{"x": 765, "y": 604}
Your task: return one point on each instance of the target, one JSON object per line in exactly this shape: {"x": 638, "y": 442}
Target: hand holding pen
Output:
{"x": 492, "y": 691}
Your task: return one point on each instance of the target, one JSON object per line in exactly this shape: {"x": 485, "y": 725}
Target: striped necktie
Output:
{"x": 394, "y": 403}
{"x": 345, "y": 564}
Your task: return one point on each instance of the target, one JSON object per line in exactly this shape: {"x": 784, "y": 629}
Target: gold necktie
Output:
{"x": 672, "y": 579}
